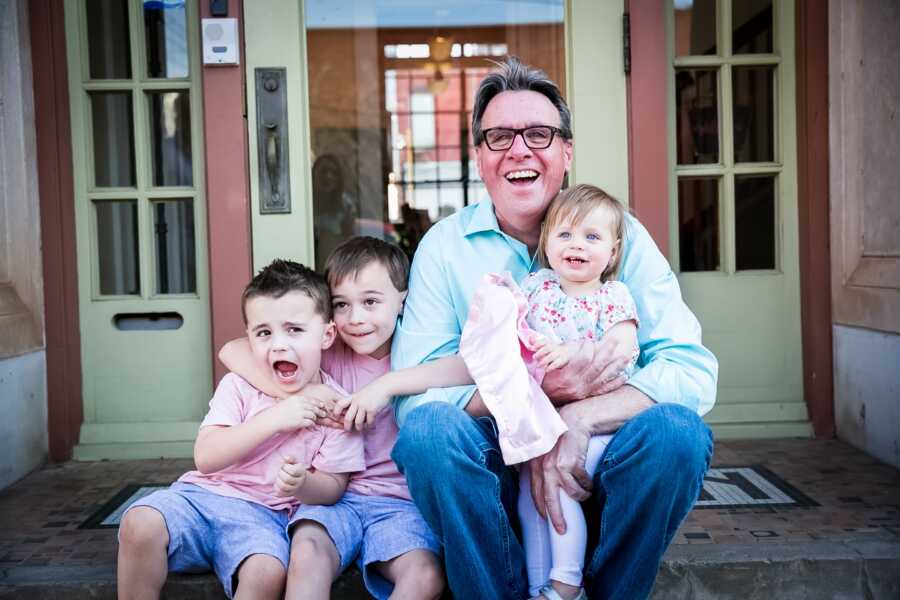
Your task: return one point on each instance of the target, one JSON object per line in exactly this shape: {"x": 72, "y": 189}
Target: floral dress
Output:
{"x": 563, "y": 318}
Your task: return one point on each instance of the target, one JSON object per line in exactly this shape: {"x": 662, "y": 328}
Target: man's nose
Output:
{"x": 519, "y": 148}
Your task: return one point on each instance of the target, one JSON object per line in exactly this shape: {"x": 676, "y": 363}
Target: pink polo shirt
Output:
{"x": 353, "y": 371}
{"x": 324, "y": 448}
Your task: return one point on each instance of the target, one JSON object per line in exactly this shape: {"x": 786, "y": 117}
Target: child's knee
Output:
{"x": 312, "y": 545}
{"x": 143, "y": 526}
{"x": 423, "y": 569}
{"x": 263, "y": 573}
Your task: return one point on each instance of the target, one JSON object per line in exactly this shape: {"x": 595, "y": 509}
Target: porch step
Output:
{"x": 818, "y": 569}
{"x": 19, "y": 333}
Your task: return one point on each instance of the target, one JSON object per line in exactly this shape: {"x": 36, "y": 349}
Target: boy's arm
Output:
{"x": 220, "y": 446}
{"x": 368, "y": 401}
{"x": 238, "y": 358}
{"x": 322, "y": 488}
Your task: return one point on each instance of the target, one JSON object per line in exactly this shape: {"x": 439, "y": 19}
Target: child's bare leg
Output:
{"x": 314, "y": 563}
{"x": 143, "y": 558}
{"x": 260, "y": 576}
{"x": 415, "y": 575}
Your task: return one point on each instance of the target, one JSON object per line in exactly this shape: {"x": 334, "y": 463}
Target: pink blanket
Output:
{"x": 496, "y": 347}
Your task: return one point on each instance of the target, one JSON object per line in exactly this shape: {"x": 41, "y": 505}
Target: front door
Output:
{"x": 140, "y": 218}
{"x": 733, "y": 215}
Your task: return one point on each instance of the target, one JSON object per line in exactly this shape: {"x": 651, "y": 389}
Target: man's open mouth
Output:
{"x": 522, "y": 176}
{"x": 284, "y": 370}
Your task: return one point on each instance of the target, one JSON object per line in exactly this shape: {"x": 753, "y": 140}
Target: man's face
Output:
{"x": 287, "y": 337}
{"x": 366, "y": 307}
{"x": 522, "y": 181}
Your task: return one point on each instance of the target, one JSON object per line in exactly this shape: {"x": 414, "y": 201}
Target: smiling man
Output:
{"x": 652, "y": 470}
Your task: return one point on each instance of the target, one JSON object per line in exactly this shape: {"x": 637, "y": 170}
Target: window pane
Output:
{"x": 173, "y": 229}
{"x": 165, "y": 32}
{"x": 390, "y": 95}
{"x": 695, "y": 27}
{"x": 754, "y": 222}
{"x": 697, "y": 113}
{"x": 170, "y": 137}
{"x": 698, "y": 223}
{"x": 117, "y": 245}
{"x": 751, "y": 22}
{"x": 113, "y": 137}
{"x": 109, "y": 51}
{"x": 754, "y": 114}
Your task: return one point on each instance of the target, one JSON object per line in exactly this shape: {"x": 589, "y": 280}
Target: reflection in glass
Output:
{"x": 697, "y": 116}
{"x": 165, "y": 31}
{"x": 695, "y": 27}
{"x": 109, "y": 50}
{"x": 754, "y": 222}
{"x": 113, "y": 137}
{"x": 397, "y": 131}
{"x": 173, "y": 228}
{"x": 751, "y": 23}
{"x": 754, "y": 114}
{"x": 170, "y": 138}
{"x": 698, "y": 223}
{"x": 117, "y": 246}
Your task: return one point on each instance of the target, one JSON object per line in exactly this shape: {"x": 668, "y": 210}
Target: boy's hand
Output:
{"x": 363, "y": 406}
{"x": 329, "y": 397}
{"x": 290, "y": 478}
{"x": 552, "y": 356}
{"x": 296, "y": 412}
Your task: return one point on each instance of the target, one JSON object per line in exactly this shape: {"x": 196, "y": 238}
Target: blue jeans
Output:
{"x": 648, "y": 480}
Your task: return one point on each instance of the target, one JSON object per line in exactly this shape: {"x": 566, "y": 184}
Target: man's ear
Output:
{"x": 567, "y": 154}
{"x": 328, "y": 335}
{"x": 478, "y": 152}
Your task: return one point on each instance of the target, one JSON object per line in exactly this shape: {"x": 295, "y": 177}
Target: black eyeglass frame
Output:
{"x": 554, "y": 131}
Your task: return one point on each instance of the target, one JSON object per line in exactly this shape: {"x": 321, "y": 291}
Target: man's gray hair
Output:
{"x": 512, "y": 75}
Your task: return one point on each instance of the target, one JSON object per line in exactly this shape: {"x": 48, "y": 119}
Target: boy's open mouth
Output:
{"x": 522, "y": 177}
{"x": 284, "y": 370}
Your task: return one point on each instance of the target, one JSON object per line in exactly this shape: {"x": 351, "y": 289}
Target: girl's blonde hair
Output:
{"x": 573, "y": 205}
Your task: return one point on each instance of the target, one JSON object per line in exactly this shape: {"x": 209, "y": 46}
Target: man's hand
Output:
{"x": 595, "y": 368}
{"x": 362, "y": 407}
{"x": 290, "y": 478}
{"x": 561, "y": 469}
{"x": 295, "y": 412}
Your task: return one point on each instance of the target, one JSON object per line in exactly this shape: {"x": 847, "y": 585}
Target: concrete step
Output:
{"x": 803, "y": 570}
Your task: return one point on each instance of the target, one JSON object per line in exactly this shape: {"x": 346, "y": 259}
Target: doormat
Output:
{"x": 752, "y": 486}
{"x": 111, "y": 513}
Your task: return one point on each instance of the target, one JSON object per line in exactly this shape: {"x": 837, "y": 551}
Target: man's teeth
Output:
{"x": 525, "y": 174}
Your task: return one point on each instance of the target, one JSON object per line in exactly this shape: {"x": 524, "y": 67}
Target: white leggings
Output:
{"x": 549, "y": 555}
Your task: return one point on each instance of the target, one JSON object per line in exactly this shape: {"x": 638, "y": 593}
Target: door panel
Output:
{"x": 733, "y": 211}
{"x": 140, "y": 226}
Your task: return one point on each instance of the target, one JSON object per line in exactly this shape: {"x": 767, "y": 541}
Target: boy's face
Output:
{"x": 366, "y": 309}
{"x": 287, "y": 337}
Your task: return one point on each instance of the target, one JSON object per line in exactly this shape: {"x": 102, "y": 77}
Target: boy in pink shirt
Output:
{"x": 376, "y": 523}
{"x": 258, "y": 458}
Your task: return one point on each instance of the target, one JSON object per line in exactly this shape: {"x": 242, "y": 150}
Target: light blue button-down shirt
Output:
{"x": 456, "y": 252}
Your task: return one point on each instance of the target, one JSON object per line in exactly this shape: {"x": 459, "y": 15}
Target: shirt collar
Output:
{"x": 483, "y": 218}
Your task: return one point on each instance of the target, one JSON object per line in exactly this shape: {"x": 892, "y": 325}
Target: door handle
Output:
{"x": 272, "y": 160}
{"x": 272, "y": 141}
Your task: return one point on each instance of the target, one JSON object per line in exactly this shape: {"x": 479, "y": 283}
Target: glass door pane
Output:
{"x": 390, "y": 95}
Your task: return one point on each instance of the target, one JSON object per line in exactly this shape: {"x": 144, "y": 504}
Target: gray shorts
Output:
{"x": 370, "y": 529}
{"x": 211, "y": 532}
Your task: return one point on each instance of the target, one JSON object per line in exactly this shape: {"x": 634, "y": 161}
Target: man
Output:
{"x": 652, "y": 470}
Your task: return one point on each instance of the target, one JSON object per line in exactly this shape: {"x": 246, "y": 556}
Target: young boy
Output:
{"x": 376, "y": 520}
{"x": 257, "y": 457}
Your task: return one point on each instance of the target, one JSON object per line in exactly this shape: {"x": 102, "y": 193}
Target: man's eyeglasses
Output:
{"x": 537, "y": 137}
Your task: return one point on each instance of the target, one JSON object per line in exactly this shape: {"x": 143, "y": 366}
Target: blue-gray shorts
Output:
{"x": 372, "y": 529}
{"x": 208, "y": 531}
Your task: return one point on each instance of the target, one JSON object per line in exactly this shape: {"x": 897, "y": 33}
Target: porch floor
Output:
{"x": 847, "y": 546}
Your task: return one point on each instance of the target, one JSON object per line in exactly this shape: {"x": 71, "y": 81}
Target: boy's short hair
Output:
{"x": 358, "y": 252}
{"x": 575, "y": 203}
{"x": 282, "y": 276}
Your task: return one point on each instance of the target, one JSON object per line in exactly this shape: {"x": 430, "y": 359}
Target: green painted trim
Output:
{"x": 281, "y": 42}
{"x": 138, "y": 433}
{"x": 742, "y": 431}
{"x": 132, "y": 451}
{"x": 597, "y": 94}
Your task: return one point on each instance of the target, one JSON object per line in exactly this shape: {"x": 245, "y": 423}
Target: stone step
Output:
{"x": 813, "y": 570}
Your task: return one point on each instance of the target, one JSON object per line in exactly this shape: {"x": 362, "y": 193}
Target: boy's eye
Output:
{"x": 263, "y": 333}
{"x": 296, "y": 330}
{"x": 339, "y": 306}
{"x": 370, "y": 301}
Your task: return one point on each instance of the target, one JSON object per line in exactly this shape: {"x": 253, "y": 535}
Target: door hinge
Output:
{"x": 626, "y": 42}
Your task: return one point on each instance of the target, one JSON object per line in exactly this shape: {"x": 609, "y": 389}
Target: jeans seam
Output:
{"x": 504, "y": 540}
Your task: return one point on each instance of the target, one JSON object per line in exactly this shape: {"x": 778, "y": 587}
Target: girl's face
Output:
{"x": 580, "y": 253}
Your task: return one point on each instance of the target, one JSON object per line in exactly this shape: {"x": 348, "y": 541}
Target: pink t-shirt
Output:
{"x": 353, "y": 371}
{"x": 323, "y": 448}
